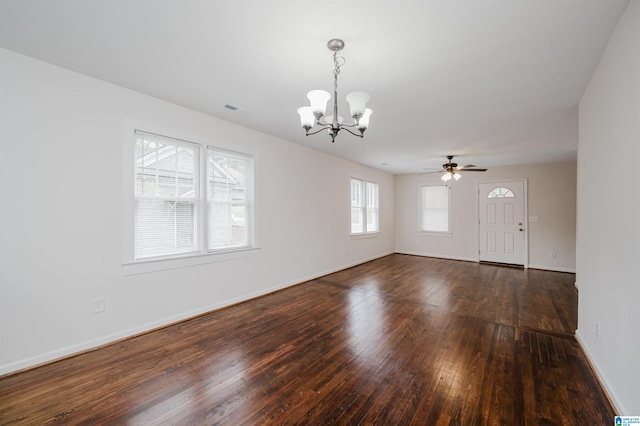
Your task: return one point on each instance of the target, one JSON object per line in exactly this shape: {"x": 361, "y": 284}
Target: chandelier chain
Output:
{"x": 338, "y": 61}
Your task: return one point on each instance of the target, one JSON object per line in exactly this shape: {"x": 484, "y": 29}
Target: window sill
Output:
{"x": 364, "y": 236}
{"x": 436, "y": 234}
{"x": 155, "y": 265}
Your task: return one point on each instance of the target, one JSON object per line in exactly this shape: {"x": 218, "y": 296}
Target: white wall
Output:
{"x": 551, "y": 197}
{"x": 608, "y": 215}
{"x": 64, "y": 216}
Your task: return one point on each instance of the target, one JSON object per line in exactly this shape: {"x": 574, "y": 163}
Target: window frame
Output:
{"x": 421, "y": 210}
{"x": 203, "y": 252}
{"x": 143, "y": 198}
{"x": 366, "y": 210}
{"x": 247, "y": 202}
{"x": 500, "y": 192}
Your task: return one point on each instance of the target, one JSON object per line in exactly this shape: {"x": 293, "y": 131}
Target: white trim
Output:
{"x": 435, "y": 234}
{"x": 90, "y": 344}
{"x": 364, "y": 236}
{"x": 163, "y": 264}
{"x": 476, "y": 260}
{"x": 338, "y": 269}
{"x": 552, "y": 268}
{"x": 437, "y": 255}
{"x": 600, "y": 376}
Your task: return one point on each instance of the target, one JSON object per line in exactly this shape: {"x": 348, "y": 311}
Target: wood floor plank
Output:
{"x": 400, "y": 340}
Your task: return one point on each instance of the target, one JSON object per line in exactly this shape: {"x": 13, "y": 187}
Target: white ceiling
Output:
{"x": 495, "y": 82}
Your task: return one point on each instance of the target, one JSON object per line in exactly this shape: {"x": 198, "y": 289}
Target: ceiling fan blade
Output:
{"x": 430, "y": 172}
{"x": 467, "y": 166}
{"x": 473, "y": 170}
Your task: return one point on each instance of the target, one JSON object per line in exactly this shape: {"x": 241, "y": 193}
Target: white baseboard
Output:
{"x": 553, "y": 268}
{"x": 471, "y": 259}
{"x": 68, "y": 351}
{"x": 600, "y": 376}
{"x": 331, "y": 271}
{"x": 436, "y": 255}
{"x": 91, "y": 344}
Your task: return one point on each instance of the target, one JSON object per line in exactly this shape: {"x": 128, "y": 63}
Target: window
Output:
{"x": 501, "y": 192}
{"x": 167, "y": 192}
{"x": 371, "y": 200}
{"x": 364, "y": 207}
{"x": 228, "y": 197}
{"x": 174, "y": 214}
{"x": 435, "y": 211}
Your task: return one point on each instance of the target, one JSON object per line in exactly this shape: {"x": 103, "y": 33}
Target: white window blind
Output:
{"x": 228, "y": 196}
{"x": 435, "y": 209}
{"x": 166, "y": 196}
{"x": 190, "y": 198}
{"x": 372, "y": 206}
{"x": 357, "y": 206}
{"x": 364, "y": 207}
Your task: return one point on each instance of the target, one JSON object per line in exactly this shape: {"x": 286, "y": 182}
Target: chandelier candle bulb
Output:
{"x": 311, "y": 115}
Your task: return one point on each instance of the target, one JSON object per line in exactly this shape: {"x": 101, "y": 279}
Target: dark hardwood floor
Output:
{"x": 397, "y": 341}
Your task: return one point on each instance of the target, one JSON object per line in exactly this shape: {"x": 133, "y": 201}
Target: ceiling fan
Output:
{"x": 451, "y": 169}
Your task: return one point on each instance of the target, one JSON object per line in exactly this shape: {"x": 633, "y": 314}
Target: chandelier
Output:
{"x": 314, "y": 114}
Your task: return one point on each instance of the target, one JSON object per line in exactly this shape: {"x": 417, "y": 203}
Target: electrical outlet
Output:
{"x": 597, "y": 330}
{"x": 98, "y": 305}
{"x": 267, "y": 269}
{"x": 552, "y": 255}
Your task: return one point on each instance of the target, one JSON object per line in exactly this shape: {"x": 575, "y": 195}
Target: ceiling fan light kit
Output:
{"x": 313, "y": 114}
{"x": 448, "y": 175}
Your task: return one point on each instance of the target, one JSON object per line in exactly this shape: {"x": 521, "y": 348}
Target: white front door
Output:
{"x": 501, "y": 222}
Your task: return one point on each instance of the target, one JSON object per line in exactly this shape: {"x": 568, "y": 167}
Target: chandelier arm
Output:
{"x": 319, "y": 130}
{"x": 348, "y": 125}
{"x": 354, "y": 134}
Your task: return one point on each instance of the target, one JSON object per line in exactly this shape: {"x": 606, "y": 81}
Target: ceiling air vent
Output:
{"x": 231, "y": 107}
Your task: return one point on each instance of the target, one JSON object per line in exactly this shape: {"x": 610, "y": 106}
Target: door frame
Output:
{"x": 525, "y": 219}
